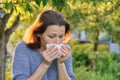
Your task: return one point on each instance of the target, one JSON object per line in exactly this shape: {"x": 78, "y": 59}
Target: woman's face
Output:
{"x": 53, "y": 34}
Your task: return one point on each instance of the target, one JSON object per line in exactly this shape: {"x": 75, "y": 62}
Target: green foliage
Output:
{"x": 105, "y": 64}
{"x": 83, "y": 74}
{"x": 28, "y": 8}
{"x": 96, "y": 1}
{"x": 45, "y": 2}
{"x": 38, "y": 2}
{"x": 81, "y": 59}
{"x": 8, "y": 69}
{"x": 95, "y": 16}
{"x": 60, "y": 4}
{"x": 8, "y": 5}
{"x": 116, "y": 57}
{"x": 17, "y": 35}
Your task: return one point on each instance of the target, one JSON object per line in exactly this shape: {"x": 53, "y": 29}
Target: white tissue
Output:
{"x": 58, "y": 46}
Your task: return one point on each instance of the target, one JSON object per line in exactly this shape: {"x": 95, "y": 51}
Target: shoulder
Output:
{"x": 21, "y": 45}
{"x": 22, "y": 48}
{"x": 21, "y": 51}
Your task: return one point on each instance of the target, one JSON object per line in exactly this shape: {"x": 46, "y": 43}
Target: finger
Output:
{"x": 52, "y": 50}
{"x": 63, "y": 52}
{"x": 66, "y": 47}
{"x": 53, "y": 53}
{"x": 48, "y": 51}
{"x": 50, "y": 57}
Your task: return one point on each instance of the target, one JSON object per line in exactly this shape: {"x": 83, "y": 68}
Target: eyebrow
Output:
{"x": 55, "y": 34}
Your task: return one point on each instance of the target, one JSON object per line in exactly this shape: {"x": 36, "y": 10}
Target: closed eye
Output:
{"x": 61, "y": 36}
{"x": 51, "y": 36}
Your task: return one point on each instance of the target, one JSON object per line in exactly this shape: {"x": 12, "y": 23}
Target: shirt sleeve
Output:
{"x": 68, "y": 64}
{"x": 20, "y": 66}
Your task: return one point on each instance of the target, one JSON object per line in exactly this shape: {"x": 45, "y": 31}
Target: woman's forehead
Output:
{"x": 56, "y": 28}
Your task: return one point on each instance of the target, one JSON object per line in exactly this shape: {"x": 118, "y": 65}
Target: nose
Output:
{"x": 57, "y": 40}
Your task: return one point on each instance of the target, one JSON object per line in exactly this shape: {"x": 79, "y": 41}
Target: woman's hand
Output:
{"x": 50, "y": 54}
{"x": 65, "y": 52}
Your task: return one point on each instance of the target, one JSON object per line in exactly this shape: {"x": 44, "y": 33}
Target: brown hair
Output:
{"x": 43, "y": 20}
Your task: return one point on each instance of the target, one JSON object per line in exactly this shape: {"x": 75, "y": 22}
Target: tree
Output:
{"x": 17, "y": 9}
{"x": 103, "y": 18}
{"x": 95, "y": 16}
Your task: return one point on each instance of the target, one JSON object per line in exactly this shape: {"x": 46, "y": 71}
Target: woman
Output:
{"x": 33, "y": 61}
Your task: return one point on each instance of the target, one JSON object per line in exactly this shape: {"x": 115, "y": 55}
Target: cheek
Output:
{"x": 49, "y": 40}
{"x": 53, "y": 40}
{"x": 45, "y": 39}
